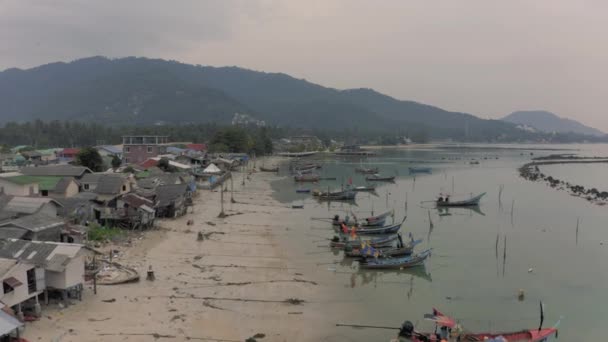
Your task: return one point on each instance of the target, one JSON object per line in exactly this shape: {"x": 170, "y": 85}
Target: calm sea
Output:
{"x": 468, "y": 277}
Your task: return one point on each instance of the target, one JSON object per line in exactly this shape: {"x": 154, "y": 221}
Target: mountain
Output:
{"x": 549, "y": 122}
{"x": 148, "y": 91}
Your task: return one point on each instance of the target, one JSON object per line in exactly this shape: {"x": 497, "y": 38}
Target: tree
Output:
{"x": 89, "y": 157}
{"x": 116, "y": 162}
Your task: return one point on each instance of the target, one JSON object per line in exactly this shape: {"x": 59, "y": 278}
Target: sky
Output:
{"x": 487, "y": 58}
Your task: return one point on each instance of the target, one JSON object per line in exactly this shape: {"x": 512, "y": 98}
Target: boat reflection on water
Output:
{"x": 363, "y": 278}
{"x": 449, "y": 211}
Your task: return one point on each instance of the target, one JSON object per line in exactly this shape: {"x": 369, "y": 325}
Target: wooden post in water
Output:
{"x": 577, "y": 223}
{"x": 430, "y": 220}
{"x": 452, "y": 185}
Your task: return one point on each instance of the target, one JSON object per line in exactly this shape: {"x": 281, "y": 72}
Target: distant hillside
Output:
{"x": 150, "y": 91}
{"x": 548, "y": 122}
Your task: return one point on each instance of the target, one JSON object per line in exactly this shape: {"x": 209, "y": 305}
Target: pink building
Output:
{"x": 139, "y": 148}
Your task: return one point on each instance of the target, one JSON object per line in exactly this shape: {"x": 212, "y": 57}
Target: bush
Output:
{"x": 102, "y": 233}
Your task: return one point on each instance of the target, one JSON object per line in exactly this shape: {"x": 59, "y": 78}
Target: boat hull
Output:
{"x": 396, "y": 263}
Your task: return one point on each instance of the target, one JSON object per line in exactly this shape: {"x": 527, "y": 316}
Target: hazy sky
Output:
{"x": 484, "y": 57}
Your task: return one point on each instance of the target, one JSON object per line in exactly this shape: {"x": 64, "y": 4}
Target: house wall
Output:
{"x": 51, "y": 234}
{"x": 18, "y": 190}
{"x": 49, "y": 209}
{"x": 72, "y": 190}
{"x": 21, "y": 293}
{"x": 135, "y": 154}
{"x": 71, "y": 276}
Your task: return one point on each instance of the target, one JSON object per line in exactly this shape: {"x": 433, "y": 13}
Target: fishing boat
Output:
{"x": 390, "y": 229}
{"x": 297, "y": 206}
{"x": 364, "y": 188}
{"x": 303, "y": 191}
{"x": 371, "y": 221}
{"x": 447, "y": 324}
{"x": 269, "y": 169}
{"x": 346, "y": 195}
{"x": 307, "y": 178}
{"x": 444, "y": 201}
{"x": 378, "y": 178}
{"x": 420, "y": 169}
{"x": 384, "y": 252}
{"x": 368, "y": 171}
{"x": 304, "y": 171}
{"x": 398, "y": 263}
{"x": 344, "y": 241}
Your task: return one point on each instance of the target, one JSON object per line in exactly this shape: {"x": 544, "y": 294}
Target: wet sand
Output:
{"x": 233, "y": 285}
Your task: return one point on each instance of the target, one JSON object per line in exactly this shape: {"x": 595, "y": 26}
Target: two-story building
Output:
{"x": 139, "y": 148}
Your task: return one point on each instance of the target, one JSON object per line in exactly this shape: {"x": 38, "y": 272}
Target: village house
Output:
{"x": 67, "y": 154}
{"x": 139, "y": 148}
{"x": 33, "y": 157}
{"x": 109, "y": 151}
{"x": 19, "y": 206}
{"x": 77, "y": 209}
{"x": 21, "y": 185}
{"x": 172, "y": 200}
{"x": 22, "y": 283}
{"x": 106, "y": 185}
{"x": 35, "y": 227}
{"x": 8, "y": 163}
{"x": 59, "y": 267}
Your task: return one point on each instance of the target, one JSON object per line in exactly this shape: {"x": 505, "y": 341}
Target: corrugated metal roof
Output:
{"x": 56, "y": 170}
{"x": 110, "y": 184}
{"x": 35, "y": 222}
{"x": 166, "y": 194}
{"x": 63, "y": 184}
{"x": 6, "y": 265}
{"x": 12, "y": 233}
{"x": 40, "y": 253}
{"x": 28, "y": 205}
{"x": 8, "y": 323}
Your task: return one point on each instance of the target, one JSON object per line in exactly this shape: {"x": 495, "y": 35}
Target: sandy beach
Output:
{"x": 236, "y": 283}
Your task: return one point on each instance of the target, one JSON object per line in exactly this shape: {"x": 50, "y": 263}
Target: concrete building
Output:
{"x": 139, "y": 148}
{"x": 21, "y": 282}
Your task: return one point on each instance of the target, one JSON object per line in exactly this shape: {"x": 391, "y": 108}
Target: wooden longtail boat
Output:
{"x": 473, "y": 201}
{"x": 268, "y": 169}
{"x": 391, "y": 229}
{"x": 344, "y": 241}
{"x": 385, "y": 252}
{"x": 420, "y": 169}
{"x": 401, "y": 262}
{"x": 364, "y": 188}
{"x": 338, "y": 196}
{"x": 378, "y": 178}
{"x": 371, "y": 221}
{"x": 303, "y": 191}
{"x": 367, "y": 171}
{"x": 446, "y": 324}
{"x": 307, "y": 178}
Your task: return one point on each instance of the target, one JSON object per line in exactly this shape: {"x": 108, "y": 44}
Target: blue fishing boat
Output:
{"x": 395, "y": 263}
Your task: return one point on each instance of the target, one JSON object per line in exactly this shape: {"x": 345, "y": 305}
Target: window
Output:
{"x": 44, "y": 193}
{"x": 124, "y": 188}
{"x": 126, "y": 160}
{"x": 86, "y": 186}
{"x": 31, "y": 280}
{"x": 149, "y": 149}
{"x": 127, "y": 149}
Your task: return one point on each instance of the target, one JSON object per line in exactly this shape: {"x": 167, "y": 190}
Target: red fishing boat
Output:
{"x": 448, "y": 330}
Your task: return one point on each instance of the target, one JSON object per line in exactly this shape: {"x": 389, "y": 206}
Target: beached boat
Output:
{"x": 378, "y": 178}
{"x": 446, "y": 324}
{"x": 344, "y": 241}
{"x": 269, "y": 169}
{"x": 368, "y": 171}
{"x": 346, "y": 195}
{"x": 400, "y": 262}
{"x": 444, "y": 201}
{"x": 304, "y": 171}
{"x": 303, "y": 191}
{"x": 385, "y": 252}
{"x": 307, "y": 178}
{"x": 420, "y": 169}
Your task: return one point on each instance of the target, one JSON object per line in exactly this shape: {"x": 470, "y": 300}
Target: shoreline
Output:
{"x": 239, "y": 282}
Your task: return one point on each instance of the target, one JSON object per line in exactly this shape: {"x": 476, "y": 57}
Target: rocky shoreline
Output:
{"x": 531, "y": 172}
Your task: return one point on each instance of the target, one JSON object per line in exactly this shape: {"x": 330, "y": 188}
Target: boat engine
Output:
{"x": 407, "y": 329}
